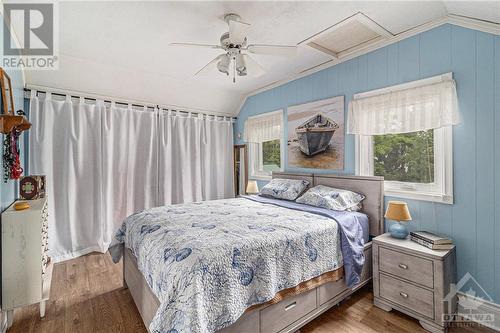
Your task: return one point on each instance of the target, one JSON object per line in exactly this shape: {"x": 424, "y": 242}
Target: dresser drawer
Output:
{"x": 418, "y": 270}
{"x": 414, "y": 298}
{"x": 278, "y": 316}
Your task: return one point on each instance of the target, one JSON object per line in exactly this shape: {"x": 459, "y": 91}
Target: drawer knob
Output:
{"x": 403, "y": 266}
{"x": 290, "y": 306}
{"x": 405, "y": 295}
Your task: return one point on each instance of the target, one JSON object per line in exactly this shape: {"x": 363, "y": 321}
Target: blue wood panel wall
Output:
{"x": 8, "y": 191}
{"x": 474, "y": 58}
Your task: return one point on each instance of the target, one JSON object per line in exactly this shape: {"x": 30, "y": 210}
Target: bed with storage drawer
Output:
{"x": 286, "y": 303}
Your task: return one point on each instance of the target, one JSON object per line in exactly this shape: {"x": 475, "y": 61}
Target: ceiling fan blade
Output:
{"x": 279, "y": 50}
{"x": 196, "y": 45}
{"x": 211, "y": 67}
{"x": 253, "y": 67}
{"x": 238, "y": 31}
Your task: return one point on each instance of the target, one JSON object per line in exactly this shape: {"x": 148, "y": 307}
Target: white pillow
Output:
{"x": 332, "y": 198}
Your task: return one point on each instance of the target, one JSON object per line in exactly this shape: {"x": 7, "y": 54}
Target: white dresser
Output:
{"x": 26, "y": 268}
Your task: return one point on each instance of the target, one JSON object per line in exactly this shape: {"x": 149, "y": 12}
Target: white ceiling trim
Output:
{"x": 466, "y": 22}
{"x": 475, "y": 24}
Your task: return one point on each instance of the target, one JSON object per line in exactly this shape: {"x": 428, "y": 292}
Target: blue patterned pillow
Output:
{"x": 287, "y": 189}
{"x": 332, "y": 198}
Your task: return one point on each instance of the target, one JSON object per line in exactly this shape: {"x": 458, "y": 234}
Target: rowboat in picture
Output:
{"x": 315, "y": 134}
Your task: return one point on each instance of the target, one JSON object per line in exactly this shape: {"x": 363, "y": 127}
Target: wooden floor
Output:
{"x": 87, "y": 296}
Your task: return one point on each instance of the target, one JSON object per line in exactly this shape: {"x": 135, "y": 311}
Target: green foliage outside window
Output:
{"x": 407, "y": 157}
{"x": 271, "y": 155}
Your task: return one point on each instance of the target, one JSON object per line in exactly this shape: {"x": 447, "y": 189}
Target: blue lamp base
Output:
{"x": 398, "y": 230}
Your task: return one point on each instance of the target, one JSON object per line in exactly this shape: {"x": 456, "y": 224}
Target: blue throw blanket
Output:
{"x": 208, "y": 262}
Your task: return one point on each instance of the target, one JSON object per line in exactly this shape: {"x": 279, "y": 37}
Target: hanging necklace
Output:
{"x": 11, "y": 162}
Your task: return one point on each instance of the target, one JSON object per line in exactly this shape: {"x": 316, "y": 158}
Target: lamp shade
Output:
{"x": 252, "y": 187}
{"x": 397, "y": 211}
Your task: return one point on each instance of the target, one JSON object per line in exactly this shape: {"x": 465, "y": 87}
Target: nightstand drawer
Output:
{"x": 418, "y": 270}
{"x": 405, "y": 294}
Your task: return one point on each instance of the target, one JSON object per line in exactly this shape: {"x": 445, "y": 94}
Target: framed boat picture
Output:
{"x": 316, "y": 134}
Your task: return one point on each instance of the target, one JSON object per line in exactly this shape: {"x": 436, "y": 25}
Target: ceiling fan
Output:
{"x": 235, "y": 59}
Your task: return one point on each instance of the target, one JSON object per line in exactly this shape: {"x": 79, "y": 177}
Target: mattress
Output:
{"x": 208, "y": 262}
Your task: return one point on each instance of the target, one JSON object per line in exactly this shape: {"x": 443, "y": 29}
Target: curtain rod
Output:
{"x": 134, "y": 104}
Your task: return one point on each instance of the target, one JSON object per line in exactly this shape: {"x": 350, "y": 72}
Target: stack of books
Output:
{"x": 431, "y": 241}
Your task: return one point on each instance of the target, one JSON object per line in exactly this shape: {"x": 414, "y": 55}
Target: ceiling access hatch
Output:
{"x": 348, "y": 36}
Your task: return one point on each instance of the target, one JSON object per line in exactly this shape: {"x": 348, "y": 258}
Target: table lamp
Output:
{"x": 252, "y": 187}
{"x": 398, "y": 211}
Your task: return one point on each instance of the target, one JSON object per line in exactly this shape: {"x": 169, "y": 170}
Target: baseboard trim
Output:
{"x": 485, "y": 307}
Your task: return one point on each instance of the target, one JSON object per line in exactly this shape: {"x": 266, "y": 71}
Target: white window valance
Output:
{"x": 265, "y": 127}
{"x": 419, "y": 108}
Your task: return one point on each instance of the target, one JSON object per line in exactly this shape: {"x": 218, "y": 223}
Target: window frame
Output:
{"x": 255, "y": 166}
{"x": 441, "y": 190}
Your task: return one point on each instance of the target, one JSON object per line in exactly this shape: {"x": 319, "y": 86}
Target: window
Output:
{"x": 416, "y": 165}
{"x": 404, "y": 134}
{"x": 265, "y": 158}
{"x": 271, "y": 155}
{"x": 406, "y": 157}
{"x": 263, "y": 133}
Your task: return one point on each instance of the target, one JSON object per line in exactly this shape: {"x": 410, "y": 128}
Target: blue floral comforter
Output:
{"x": 207, "y": 262}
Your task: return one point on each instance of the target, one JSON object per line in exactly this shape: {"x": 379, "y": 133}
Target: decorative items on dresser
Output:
{"x": 12, "y": 124}
{"x": 398, "y": 211}
{"x": 26, "y": 268}
{"x": 415, "y": 280}
{"x": 32, "y": 187}
{"x": 431, "y": 241}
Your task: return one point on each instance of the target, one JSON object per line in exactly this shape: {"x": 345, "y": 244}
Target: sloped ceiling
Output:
{"x": 121, "y": 49}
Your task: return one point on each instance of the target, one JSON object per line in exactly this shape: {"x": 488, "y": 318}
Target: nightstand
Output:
{"x": 415, "y": 280}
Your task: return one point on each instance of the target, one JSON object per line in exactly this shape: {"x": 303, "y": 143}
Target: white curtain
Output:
{"x": 130, "y": 165}
{"x": 263, "y": 128}
{"x": 195, "y": 158}
{"x": 105, "y": 163}
{"x": 415, "y": 109}
{"x": 65, "y": 145}
{"x": 217, "y": 155}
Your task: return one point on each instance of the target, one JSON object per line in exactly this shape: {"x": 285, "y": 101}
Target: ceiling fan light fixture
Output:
{"x": 235, "y": 58}
{"x": 223, "y": 64}
{"x": 240, "y": 64}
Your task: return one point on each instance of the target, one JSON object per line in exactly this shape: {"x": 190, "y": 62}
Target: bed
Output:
{"x": 279, "y": 303}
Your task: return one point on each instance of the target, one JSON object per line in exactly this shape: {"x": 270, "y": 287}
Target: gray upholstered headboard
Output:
{"x": 371, "y": 187}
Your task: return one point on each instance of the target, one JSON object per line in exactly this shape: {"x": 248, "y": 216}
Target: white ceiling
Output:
{"x": 121, "y": 49}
